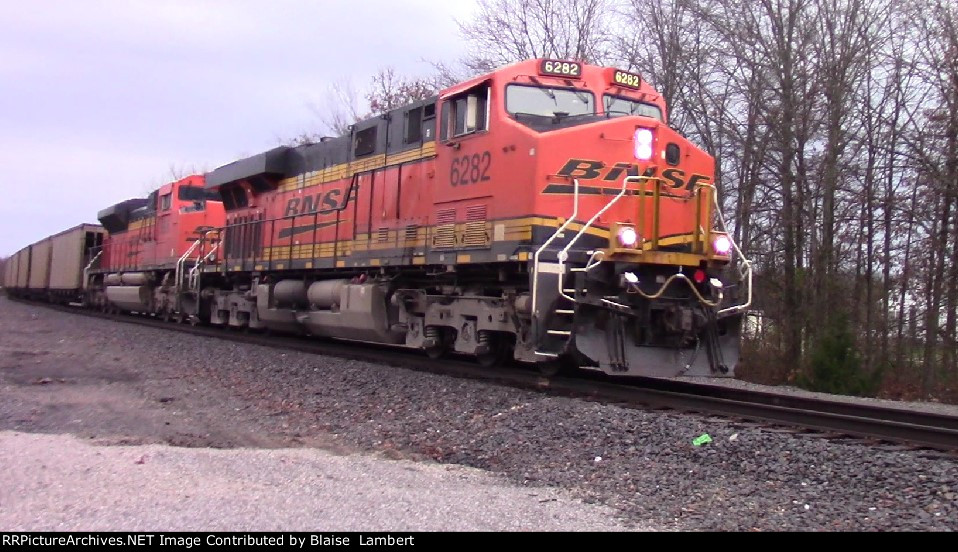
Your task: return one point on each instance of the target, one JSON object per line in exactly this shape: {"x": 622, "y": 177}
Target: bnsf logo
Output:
{"x": 587, "y": 169}
{"x": 321, "y": 202}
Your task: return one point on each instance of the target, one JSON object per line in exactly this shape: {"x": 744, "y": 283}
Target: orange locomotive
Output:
{"x": 544, "y": 212}
{"x": 141, "y": 266}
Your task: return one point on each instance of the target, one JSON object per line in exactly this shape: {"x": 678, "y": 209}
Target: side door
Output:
{"x": 462, "y": 190}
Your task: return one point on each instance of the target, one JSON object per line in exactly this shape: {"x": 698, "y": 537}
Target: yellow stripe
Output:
{"x": 347, "y": 170}
{"x": 656, "y": 257}
{"x": 137, "y": 224}
{"x": 519, "y": 229}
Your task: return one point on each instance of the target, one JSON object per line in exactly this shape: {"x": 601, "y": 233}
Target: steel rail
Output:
{"x": 915, "y": 428}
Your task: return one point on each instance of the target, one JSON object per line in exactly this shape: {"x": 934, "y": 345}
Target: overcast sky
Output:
{"x": 99, "y": 99}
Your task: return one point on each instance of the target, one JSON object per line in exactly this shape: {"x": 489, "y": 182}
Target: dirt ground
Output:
{"x": 95, "y": 387}
{"x": 105, "y": 426}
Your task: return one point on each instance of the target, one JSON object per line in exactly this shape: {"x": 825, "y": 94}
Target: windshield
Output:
{"x": 617, "y": 106}
{"x": 195, "y": 193}
{"x": 548, "y": 102}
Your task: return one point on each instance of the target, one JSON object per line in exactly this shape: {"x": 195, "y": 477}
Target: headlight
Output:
{"x": 627, "y": 236}
{"x": 722, "y": 245}
{"x": 642, "y": 142}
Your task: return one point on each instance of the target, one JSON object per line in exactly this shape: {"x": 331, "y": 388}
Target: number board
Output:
{"x": 626, "y": 79}
{"x": 559, "y": 68}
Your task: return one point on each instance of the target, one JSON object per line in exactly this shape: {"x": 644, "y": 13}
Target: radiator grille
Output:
{"x": 476, "y": 233}
{"x": 412, "y": 232}
{"x": 445, "y": 235}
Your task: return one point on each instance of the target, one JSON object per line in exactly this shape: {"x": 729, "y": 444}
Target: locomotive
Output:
{"x": 139, "y": 267}
{"x": 544, "y": 212}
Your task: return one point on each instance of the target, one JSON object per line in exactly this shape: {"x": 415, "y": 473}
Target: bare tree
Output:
{"x": 389, "y": 90}
{"x": 339, "y": 108}
{"x": 932, "y": 140}
{"x": 173, "y": 173}
{"x": 506, "y": 31}
{"x": 841, "y": 65}
{"x": 343, "y": 104}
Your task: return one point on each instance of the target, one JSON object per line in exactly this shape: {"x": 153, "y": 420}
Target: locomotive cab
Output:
{"x": 635, "y": 278}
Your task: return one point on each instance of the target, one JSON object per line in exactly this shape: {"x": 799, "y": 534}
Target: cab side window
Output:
{"x": 365, "y": 142}
{"x": 413, "y": 132}
{"x": 165, "y": 201}
{"x": 466, "y": 112}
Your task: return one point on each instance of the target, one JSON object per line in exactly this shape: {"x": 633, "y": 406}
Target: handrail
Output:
{"x": 748, "y": 302}
{"x": 564, "y": 254}
{"x": 88, "y": 267}
{"x": 535, "y": 258}
{"x": 194, "y": 275}
{"x": 594, "y": 260}
{"x": 181, "y": 263}
{"x": 746, "y": 263}
{"x": 701, "y": 244}
{"x": 191, "y": 279}
{"x": 656, "y": 201}
{"x": 701, "y": 239}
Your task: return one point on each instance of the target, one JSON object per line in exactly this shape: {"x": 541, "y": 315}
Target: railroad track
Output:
{"x": 916, "y": 429}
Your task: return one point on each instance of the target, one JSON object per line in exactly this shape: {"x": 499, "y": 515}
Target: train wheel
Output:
{"x": 488, "y": 360}
{"x": 436, "y": 352}
{"x": 549, "y": 368}
{"x": 499, "y": 351}
{"x": 440, "y": 339}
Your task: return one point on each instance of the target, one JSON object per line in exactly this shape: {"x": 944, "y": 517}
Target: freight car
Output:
{"x": 53, "y": 269}
{"x": 544, "y": 212}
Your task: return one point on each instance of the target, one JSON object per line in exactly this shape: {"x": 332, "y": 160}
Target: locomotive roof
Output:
{"x": 290, "y": 161}
{"x": 263, "y": 169}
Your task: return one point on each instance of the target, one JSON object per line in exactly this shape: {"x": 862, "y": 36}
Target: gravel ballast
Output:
{"x": 642, "y": 464}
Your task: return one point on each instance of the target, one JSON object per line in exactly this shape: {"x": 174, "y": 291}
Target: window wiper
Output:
{"x": 583, "y": 97}
{"x": 517, "y": 113}
{"x": 550, "y": 94}
{"x": 573, "y": 115}
{"x": 608, "y": 112}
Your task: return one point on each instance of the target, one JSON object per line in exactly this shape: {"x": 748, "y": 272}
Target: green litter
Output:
{"x": 702, "y": 439}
